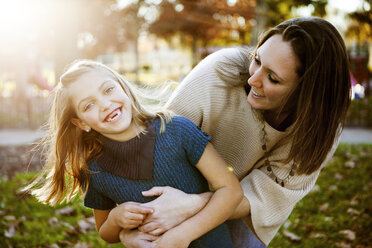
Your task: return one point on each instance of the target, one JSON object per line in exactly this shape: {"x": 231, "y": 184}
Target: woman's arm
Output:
{"x": 128, "y": 215}
{"x": 222, "y": 204}
{"x": 173, "y": 206}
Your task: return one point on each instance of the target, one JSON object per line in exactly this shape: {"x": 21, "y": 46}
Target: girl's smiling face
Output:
{"x": 273, "y": 74}
{"x": 101, "y": 104}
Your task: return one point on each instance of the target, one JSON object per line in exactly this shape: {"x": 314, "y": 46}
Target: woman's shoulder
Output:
{"x": 232, "y": 65}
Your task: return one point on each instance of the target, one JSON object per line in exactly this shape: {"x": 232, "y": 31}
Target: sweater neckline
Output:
{"x": 132, "y": 159}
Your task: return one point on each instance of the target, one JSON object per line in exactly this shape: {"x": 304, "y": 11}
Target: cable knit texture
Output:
{"x": 131, "y": 159}
{"x": 176, "y": 152}
{"x": 213, "y": 96}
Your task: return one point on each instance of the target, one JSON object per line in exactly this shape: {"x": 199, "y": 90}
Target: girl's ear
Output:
{"x": 80, "y": 124}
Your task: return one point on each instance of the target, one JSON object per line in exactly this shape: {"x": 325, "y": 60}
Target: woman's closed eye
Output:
{"x": 257, "y": 61}
{"x": 270, "y": 77}
{"x": 274, "y": 81}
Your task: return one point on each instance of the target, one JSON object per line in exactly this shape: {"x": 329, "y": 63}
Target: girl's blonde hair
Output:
{"x": 67, "y": 148}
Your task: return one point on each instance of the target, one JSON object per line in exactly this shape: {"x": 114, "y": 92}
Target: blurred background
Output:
{"x": 151, "y": 42}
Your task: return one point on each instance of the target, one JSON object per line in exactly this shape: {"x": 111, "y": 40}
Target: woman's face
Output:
{"x": 273, "y": 74}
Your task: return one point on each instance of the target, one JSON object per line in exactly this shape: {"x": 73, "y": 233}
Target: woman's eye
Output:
{"x": 257, "y": 61}
{"x": 88, "y": 106}
{"x": 109, "y": 89}
{"x": 272, "y": 79}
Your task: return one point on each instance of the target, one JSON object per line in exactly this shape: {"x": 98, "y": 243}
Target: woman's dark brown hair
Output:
{"x": 322, "y": 96}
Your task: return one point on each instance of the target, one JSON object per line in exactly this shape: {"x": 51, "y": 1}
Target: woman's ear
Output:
{"x": 80, "y": 124}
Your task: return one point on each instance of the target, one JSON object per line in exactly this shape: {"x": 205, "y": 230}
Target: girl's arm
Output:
{"x": 228, "y": 194}
{"x": 127, "y": 215}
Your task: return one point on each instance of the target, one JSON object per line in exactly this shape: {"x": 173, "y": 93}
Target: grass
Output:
{"x": 337, "y": 213}
{"x": 338, "y": 208}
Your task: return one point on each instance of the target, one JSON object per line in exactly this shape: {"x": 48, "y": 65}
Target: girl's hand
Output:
{"x": 137, "y": 239}
{"x": 129, "y": 215}
{"x": 171, "y": 208}
{"x": 173, "y": 239}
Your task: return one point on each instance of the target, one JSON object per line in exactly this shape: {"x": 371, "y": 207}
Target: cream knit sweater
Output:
{"x": 213, "y": 97}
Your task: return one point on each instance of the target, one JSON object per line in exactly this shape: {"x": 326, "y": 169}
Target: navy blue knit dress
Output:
{"x": 175, "y": 154}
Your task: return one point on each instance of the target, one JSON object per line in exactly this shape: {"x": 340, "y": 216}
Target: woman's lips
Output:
{"x": 255, "y": 93}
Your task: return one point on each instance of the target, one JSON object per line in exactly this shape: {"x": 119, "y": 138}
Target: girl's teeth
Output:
{"x": 114, "y": 115}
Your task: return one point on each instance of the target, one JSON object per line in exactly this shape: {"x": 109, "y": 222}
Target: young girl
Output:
{"x": 113, "y": 149}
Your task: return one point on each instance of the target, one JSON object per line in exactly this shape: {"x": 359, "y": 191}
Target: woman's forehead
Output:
{"x": 278, "y": 56}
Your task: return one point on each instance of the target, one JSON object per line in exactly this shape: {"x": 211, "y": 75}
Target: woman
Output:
{"x": 276, "y": 132}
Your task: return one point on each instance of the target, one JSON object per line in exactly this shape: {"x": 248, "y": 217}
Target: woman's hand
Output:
{"x": 171, "y": 208}
{"x": 129, "y": 215}
{"x": 137, "y": 239}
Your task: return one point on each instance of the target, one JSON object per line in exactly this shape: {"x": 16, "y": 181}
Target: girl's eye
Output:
{"x": 272, "y": 79}
{"x": 88, "y": 106}
{"x": 257, "y": 61}
{"x": 108, "y": 90}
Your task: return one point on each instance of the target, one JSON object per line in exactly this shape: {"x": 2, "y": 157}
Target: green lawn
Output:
{"x": 337, "y": 213}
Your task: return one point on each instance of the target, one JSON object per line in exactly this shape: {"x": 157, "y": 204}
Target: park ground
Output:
{"x": 337, "y": 213}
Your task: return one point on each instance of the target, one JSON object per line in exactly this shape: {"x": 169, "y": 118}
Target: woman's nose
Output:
{"x": 256, "y": 78}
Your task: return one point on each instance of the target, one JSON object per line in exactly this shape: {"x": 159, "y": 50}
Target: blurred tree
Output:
{"x": 361, "y": 27}
{"x": 272, "y": 12}
{"x": 279, "y": 10}
{"x": 110, "y": 28}
{"x": 360, "y": 30}
{"x": 200, "y": 22}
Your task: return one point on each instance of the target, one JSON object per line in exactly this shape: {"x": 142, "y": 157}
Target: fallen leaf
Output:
{"x": 339, "y": 176}
{"x": 54, "y": 222}
{"x": 81, "y": 245}
{"x": 324, "y": 207}
{"x": 350, "y": 164}
{"x": 353, "y": 211}
{"x": 342, "y": 245}
{"x": 348, "y": 234}
{"x": 317, "y": 235}
{"x": 11, "y": 230}
{"x": 85, "y": 225}
{"x": 67, "y": 211}
{"x": 291, "y": 235}
{"x": 332, "y": 187}
{"x": 9, "y": 218}
{"x": 354, "y": 201}
{"x": 328, "y": 219}
{"x": 53, "y": 246}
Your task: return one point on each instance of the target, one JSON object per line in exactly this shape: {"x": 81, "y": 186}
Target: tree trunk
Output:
{"x": 260, "y": 17}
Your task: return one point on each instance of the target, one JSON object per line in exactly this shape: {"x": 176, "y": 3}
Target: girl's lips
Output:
{"x": 114, "y": 115}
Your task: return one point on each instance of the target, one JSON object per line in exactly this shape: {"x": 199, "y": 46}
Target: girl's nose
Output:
{"x": 105, "y": 104}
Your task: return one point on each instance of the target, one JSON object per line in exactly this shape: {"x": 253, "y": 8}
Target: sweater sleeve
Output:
{"x": 94, "y": 199}
{"x": 193, "y": 139}
{"x": 225, "y": 68}
{"x": 271, "y": 204}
